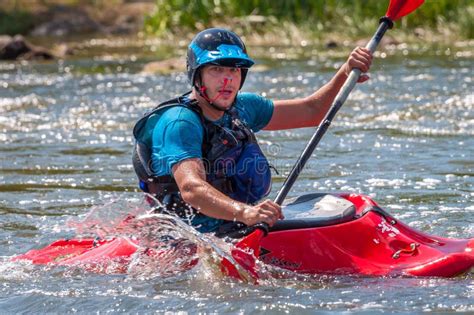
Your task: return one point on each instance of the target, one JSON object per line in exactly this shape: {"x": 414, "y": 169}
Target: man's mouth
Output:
{"x": 226, "y": 92}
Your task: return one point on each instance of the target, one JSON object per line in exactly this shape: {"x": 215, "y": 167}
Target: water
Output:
{"x": 405, "y": 138}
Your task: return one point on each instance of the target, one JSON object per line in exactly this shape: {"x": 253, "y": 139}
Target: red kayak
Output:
{"x": 351, "y": 234}
{"x": 328, "y": 234}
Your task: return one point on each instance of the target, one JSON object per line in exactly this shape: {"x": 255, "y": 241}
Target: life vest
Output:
{"x": 234, "y": 163}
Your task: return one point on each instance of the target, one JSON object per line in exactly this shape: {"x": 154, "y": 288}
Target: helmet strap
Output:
{"x": 202, "y": 92}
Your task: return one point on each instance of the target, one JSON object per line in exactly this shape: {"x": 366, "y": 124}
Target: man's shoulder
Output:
{"x": 248, "y": 97}
{"x": 256, "y": 110}
{"x": 179, "y": 112}
{"x": 246, "y": 101}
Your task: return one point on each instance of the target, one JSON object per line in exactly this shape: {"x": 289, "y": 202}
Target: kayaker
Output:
{"x": 198, "y": 153}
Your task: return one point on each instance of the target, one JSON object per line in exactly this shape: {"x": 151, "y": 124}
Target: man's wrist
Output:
{"x": 239, "y": 211}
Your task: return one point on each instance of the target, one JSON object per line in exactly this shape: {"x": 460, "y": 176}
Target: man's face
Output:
{"x": 222, "y": 84}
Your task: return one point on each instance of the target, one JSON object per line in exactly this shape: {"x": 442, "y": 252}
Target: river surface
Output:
{"x": 405, "y": 138}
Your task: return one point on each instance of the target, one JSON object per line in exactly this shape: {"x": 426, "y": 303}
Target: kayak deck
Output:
{"x": 371, "y": 243}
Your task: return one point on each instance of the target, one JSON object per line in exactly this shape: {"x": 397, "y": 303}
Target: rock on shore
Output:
{"x": 12, "y": 48}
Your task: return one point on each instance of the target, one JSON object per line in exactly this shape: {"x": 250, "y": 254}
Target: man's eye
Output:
{"x": 216, "y": 69}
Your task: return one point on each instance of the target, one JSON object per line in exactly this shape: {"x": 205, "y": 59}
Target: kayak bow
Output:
{"x": 356, "y": 236}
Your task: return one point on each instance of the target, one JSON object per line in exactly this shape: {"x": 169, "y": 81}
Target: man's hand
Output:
{"x": 266, "y": 211}
{"x": 190, "y": 175}
{"x": 360, "y": 58}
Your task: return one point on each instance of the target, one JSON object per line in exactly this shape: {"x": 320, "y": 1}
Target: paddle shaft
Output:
{"x": 341, "y": 97}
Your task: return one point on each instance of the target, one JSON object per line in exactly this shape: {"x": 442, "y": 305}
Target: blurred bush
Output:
{"x": 355, "y": 17}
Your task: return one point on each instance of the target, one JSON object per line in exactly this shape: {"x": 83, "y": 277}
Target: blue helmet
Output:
{"x": 219, "y": 47}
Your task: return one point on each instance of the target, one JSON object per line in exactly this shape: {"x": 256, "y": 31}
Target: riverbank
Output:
{"x": 127, "y": 29}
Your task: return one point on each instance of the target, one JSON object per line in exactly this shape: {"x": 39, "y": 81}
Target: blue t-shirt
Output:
{"x": 177, "y": 133}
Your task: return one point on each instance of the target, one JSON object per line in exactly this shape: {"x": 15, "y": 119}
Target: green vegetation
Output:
{"x": 272, "y": 19}
{"x": 352, "y": 17}
{"x": 15, "y": 22}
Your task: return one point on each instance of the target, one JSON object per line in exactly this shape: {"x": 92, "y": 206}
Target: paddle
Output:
{"x": 396, "y": 10}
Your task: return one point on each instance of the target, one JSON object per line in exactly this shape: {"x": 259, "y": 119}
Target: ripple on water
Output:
{"x": 404, "y": 138}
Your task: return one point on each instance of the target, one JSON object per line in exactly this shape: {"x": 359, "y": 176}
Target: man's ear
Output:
{"x": 198, "y": 79}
